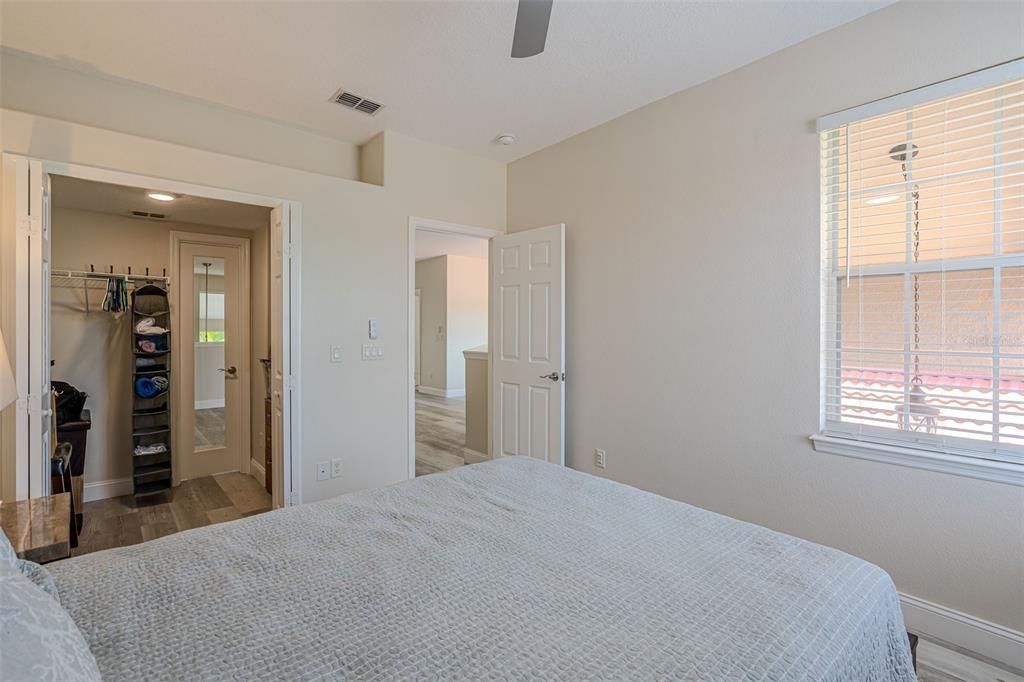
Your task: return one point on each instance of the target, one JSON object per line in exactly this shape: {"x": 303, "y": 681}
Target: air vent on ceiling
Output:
{"x": 353, "y": 101}
{"x": 151, "y": 216}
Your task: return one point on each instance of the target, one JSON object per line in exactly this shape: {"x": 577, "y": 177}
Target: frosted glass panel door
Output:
{"x": 214, "y": 346}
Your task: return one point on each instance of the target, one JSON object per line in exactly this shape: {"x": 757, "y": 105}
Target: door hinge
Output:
{"x": 25, "y": 224}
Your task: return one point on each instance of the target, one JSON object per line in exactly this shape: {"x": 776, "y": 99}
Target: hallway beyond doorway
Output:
{"x": 440, "y": 433}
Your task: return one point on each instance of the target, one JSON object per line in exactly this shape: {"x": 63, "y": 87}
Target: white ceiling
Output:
{"x": 101, "y": 197}
{"x": 433, "y": 244}
{"x": 442, "y": 69}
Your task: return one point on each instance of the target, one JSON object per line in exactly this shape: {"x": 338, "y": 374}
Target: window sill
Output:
{"x": 930, "y": 460}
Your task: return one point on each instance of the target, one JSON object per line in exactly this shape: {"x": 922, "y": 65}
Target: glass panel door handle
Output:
{"x": 230, "y": 371}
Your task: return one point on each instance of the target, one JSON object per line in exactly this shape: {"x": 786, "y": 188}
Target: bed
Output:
{"x": 513, "y": 569}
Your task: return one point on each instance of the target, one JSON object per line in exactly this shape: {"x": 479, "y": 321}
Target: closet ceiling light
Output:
{"x": 160, "y": 196}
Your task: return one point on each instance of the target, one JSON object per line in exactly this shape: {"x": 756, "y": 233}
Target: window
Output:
{"x": 923, "y": 274}
{"x": 211, "y": 317}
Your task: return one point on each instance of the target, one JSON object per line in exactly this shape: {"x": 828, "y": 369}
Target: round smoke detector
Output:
{"x": 505, "y": 140}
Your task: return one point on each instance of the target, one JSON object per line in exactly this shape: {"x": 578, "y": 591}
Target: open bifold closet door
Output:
{"x": 30, "y": 187}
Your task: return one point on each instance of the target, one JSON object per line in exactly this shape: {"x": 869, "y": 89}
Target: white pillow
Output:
{"x": 38, "y": 639}
{"x": 31, "y": 570}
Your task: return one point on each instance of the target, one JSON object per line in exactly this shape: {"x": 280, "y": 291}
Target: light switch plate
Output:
{"x": 373, "y": 351}
{"x": 336, "y": 354}
{"x": 323, "y": 471}
{"x": 373, "y": 330}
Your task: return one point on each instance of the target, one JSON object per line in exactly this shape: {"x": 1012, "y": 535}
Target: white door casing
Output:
{"x": 419, "y": 315}
{"x": 527, "y": 343}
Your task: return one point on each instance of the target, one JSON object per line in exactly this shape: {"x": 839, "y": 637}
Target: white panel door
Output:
{"x": 278, "y": 238}
{"x": 32, "y": 313}
{"x": 40, "y": 484}
{"x": 527, "y": 343}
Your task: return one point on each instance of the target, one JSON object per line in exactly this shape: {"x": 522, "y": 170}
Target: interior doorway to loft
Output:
{"x": 448, "y": 351}
{"x": 33, "y": 184}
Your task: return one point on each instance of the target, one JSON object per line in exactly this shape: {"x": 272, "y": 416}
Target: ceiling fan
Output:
{"x": 531, "y": 28}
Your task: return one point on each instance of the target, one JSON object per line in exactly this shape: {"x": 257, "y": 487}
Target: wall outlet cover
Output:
{"x": 600, "y": 458}
{"x": 323, "y": 471}
{"x": 336, "y": 467}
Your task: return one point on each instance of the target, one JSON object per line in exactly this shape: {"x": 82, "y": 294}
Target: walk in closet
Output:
{"x": 159, "y": 315}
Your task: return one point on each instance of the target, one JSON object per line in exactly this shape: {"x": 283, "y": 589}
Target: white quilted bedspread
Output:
{"x": 507, "y": 570}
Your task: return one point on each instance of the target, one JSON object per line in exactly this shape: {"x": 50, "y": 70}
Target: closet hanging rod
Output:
{"x": 82, "y": 274}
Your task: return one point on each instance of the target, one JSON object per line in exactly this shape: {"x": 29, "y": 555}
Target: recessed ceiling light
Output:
{"x": 887, "y": 199}
{"x": 160, "y": 196}
{"x": 505, "y": 139}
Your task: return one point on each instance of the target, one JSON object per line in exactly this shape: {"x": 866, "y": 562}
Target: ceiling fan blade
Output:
{"x": 531, "y": 27}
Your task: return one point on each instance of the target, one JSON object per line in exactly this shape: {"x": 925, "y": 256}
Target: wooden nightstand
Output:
{"x": 40, "y": 528}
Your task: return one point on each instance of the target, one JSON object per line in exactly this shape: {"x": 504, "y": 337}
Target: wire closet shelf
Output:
{"x": 74, "y": 277}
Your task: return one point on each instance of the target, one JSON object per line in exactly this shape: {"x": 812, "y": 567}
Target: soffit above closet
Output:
{"x": 443, "y": 69}
{"x": 100, "y": 197}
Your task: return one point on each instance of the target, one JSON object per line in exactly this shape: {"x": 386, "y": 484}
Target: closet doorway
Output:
{"x": 214, "y": 372}
{"x": 100, "y": 242}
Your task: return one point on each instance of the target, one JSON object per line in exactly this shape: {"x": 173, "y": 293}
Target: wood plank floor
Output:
{"x": 440, "y": 433}
{"x": 938, "y": 663}
{"x": 118, "y": 522}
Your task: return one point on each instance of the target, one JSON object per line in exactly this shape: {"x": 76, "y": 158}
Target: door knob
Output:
{"x": 554, "y": 376}
{"x": 230, "y": 371}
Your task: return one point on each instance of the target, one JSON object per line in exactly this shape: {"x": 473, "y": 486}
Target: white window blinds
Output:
{"x": 923, "y": 270}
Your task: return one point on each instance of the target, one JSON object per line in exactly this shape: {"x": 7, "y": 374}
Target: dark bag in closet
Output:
{"x": 70, "y": 402}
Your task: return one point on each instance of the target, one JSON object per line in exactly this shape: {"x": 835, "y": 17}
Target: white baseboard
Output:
{"x": 102, "y": 490}
{"x": 209, "y": 404}
{"x": 941, "y": 624}
{"x": 471, "y": 456}
{"x": 258, "y": 471}
{"x": 441, "y": 393}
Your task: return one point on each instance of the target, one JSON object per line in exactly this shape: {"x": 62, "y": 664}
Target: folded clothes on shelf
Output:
{"x": 150, "y": 387}
{"x": 146, "y": 346}
{"x": 147, "y": 325}
{"x": 150, "y": 449}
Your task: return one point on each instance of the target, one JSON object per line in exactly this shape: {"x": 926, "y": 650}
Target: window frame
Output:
{"x": 976, "y": 458}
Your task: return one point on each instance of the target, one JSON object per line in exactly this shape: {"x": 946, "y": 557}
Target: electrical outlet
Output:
{"x": 323, "y": 471}
{"x": 336, "y": 467}
{"x": 600, "y": 458}
{"x": 336, "y": 354}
